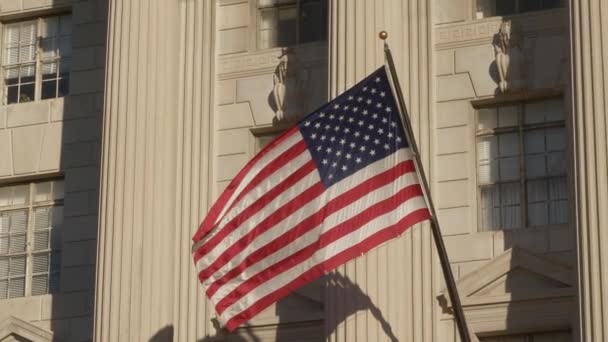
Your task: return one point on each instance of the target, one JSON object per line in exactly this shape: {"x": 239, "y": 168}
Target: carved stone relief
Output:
{"x": 509, "y": 56}
{"x": 281, "y": 74}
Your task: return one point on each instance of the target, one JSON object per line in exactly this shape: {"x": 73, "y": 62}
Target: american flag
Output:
{"x": 339, "y": 183}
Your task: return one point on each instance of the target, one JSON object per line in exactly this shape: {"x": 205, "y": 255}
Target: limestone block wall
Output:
{"x": 464, "y": 68}
{"x": 61, "y": 137}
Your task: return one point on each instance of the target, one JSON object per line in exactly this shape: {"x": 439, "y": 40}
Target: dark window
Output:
{"x": 291, "y": 22}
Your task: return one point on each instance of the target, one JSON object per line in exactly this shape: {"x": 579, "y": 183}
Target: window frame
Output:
{"x": 520, "y": 130}
{"x": 517, "y": 12}
{"x": 30, "y": 206}
{"x": 39, "y": 60}
{"x": 256, "y": 13}
{"x": 526, "y": 336}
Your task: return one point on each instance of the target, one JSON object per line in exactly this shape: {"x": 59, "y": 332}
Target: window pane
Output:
{"x": 556, "y": 139}
{"x": 508, "y": 145}
{"x": 26, "y": 93}
{"x": 49, "y": 48}
{"x": 490, "y": 208}
{"x": 510, "y": 199}
{"x": 487, "y": 118}
{"x": 41, "y": 240}
{"x": 536, "y": 166}
{"x": 12, "y": 95}
{"x": 40, "y": 284}
{"x": 12, "y": 76}
{"x": 17, "y": 266}
{"x": 27, "y": 53}
{"x": 49, "y": 70}
{"x": 50, "y": 27}
{"x": 49, "y": 89}
{"x": 286, "y": 28}
{"x": 4, "y": 242}
{"x": 11, "y": 55}
{"x": 505, "y": 7}
{"x": 556, "y": 163}
{"x": 544, "y": 111}
{"x": 313, "y": 21}
{"x": 537, "y": 202}
{"x": 268, "y": 22}
{"x": 47, "y": 191}
{"x": 27, "y": 33}
{"x": 42, "y": 219}
{"x": 64, "y": 87}
{"x": 17, "y": 243}
{"x": 534, "y": 141}
{"x": 3, "y": 267}
{"x": 27, "y": 74}
{"x": 507, "y": 116}
{"x": 16, "y": 287}
{"x": 509, "y": 169}
{"x": 18, "y": 221}
{"x": 487, "y": 152}
{"x": 547, "y": 4}
{"x": 485, "y": 8}
{"x": 558, "y": 195}
{"x": 40, "y": 263}
{"x": 530, "y": 5}
{"x": 11, "y": 36}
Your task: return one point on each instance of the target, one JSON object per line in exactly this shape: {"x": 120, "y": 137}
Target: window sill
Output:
{"x": 34, "y": 112}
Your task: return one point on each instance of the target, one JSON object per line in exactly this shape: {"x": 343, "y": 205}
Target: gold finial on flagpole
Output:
{"x": 383, "y": 35}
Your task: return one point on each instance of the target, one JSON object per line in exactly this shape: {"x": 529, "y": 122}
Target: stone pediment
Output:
{"x": 514, "y": 276}
{"x": 15, "y": 329}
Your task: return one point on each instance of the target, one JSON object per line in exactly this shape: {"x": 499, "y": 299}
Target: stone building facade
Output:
{"x": 122, "y": 121}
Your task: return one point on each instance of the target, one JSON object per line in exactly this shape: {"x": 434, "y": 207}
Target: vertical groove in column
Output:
{"x": 395, "y": 279}
{"x": 194, "y": 155}
{"x": 134, "y": 206}
{"x": 589, "y": 91}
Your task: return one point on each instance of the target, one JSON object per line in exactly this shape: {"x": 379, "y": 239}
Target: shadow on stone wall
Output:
{"x": 72, "y": 308}
{"x": 299, "y": 331}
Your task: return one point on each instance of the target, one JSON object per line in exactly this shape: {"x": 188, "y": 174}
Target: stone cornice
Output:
{"x": 480, "y": 31}
{"x": 264, "y": 61}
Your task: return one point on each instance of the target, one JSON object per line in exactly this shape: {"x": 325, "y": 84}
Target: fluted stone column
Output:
{"x": 191, "y": 312}
{"x": 156, "y": 146}
{"x": 589, "y": 27}
{"x": 389, "y": 292}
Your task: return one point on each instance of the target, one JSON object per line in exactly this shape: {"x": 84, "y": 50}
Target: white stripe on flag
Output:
{"x": 377, "y": 224}
{"x": 331, "y": 221}
{"x": 253, "y": 221}
{"x": 260, "y": 164}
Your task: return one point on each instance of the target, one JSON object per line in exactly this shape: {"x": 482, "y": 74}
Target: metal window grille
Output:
{"x": 31, "y": 215}
{"x": 521, "y": 165}
{"x": 37, "y": 58}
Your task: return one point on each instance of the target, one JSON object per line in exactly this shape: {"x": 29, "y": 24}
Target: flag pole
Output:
{"x": 441, "y": 250}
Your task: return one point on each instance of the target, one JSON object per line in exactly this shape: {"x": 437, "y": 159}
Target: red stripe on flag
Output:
{"x": 310, "y": 222}
{"x": 285, "y": 211}
{"x": 328, "y": 265}
{"x": 260, "y": 203}
{"x": 340, "y": 230}
{"x": 217, "y": 208}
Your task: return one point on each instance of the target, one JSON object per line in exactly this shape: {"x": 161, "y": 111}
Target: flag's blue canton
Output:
{"x": 356, "y": 129}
